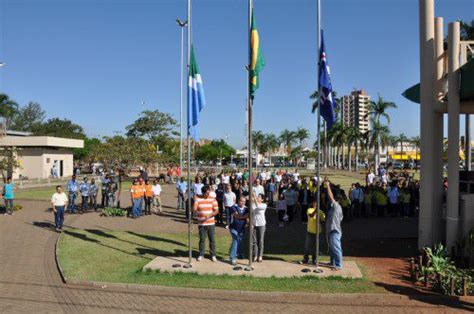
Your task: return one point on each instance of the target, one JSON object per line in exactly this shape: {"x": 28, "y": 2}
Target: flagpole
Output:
{"x": 190, "y": 212}
{"x": 318, "y": 171}
{"x": 249, "y": 122}
{"x": 182, "y": 25}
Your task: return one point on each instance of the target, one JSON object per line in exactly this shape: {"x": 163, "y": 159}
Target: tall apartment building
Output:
{"x": 355, "y": 108}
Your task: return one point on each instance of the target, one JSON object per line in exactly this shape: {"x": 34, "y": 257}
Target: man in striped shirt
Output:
{"x": 206, "y": 208}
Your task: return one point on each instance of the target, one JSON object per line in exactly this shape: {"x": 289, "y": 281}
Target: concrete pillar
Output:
{"x": 438, "y": 133}
{"x": 468, "y": 150}
{"x": 454, "y": 109}
{"x": 427, "y": 116}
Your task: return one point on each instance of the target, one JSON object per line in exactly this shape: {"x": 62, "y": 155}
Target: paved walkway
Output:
{"x": 30, "y": 282}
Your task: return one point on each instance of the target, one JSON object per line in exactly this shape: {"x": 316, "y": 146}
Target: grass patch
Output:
{"x": 96, "y": 255}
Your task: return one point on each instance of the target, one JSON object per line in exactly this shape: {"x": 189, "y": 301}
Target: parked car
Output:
{"x": 266, "y": 164}
{"x": 397, "y": 165}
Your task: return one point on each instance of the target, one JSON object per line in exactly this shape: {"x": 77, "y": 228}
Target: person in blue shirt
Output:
{"x": 84, "y": 189}
{"x": 8, "y": 196}
{"x": 72, "y": 189}
{"x": 239, "y": 214}
{"x": 182, "y": 187}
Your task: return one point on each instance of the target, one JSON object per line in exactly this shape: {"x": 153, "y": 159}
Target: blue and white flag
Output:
{"x": 326, "y": 100}
{"x": 196, "y": 100}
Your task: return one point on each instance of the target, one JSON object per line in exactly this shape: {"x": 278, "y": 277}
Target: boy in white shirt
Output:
{"x": 156, "y": 191}
{"x": 59, "y": 202}
{"x": 281, "y": 208}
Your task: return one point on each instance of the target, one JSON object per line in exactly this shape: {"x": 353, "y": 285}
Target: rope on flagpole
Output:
{"x": 318, "y": 167}
{"x": 188, "y": 201}
{"x": 249, "y": 113}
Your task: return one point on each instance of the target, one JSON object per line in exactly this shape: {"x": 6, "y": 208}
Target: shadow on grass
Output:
{"x": 155, "y": 238}
{"x": 84, "y": 237}
{"x": 428, "y": 297}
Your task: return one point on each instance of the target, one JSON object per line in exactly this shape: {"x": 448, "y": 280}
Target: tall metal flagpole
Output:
{"x": 318, "y": 171}
{"x": 182, "y": 25}
{"x": 249, "y": 121}
{"x": 190, "y": 212}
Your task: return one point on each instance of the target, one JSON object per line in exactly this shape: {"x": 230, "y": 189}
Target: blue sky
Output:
{"x": 95, "y": 62}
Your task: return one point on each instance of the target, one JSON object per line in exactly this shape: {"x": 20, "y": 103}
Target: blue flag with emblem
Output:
{"x": 196, "y": 100}
{"x": 326, "y": 100}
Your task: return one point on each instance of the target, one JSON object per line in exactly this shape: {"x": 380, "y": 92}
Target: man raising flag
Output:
{"x": 196, "y": 100}
{"x": 325, "y": 88}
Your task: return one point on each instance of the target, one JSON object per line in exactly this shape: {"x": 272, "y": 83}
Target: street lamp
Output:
{"x": 182, "y": 25}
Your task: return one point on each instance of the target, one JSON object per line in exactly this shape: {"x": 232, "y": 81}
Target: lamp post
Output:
{"x": 182, "y": 25}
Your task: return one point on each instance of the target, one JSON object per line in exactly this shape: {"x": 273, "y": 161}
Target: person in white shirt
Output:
{"x": 259, "y": 224}
{"x": 370, "y": 177}
{"x": 229, "y": 201}
{"x": 198, "y": 186}
{"x": 59, "y": 202}
{"x": 225, "y": 178}
{"x": 156, "y": 191}
{"x": 258, "y": 188}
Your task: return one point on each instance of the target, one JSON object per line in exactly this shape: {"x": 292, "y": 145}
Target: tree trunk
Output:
{"x": 343, "y": 163}
{"x": 349, "y": 157}
{"x": 356, "y": 156}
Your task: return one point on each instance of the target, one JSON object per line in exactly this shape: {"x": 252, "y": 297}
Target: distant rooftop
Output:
{"x": 18, "y": 133}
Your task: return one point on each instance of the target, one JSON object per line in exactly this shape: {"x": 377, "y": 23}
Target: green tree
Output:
{"x": 378, "y": 109}
{"x": 8, "y": 109}
{"x": 288, "y": 138}
{"x": 9, "y": 160}
{"x": 84, "y": 154}
{"x": 59, "y": 128}
{"x": 271, "y": 143}
{"x": 378, "y": 137}
{"x": 214, "y": 150}
{"x": 467, "y": 30}
{"x": 302, "y": 135}
{"x": 28, "y": 118}
{"x": 401, "y": 139}
{"x": 416, "y": 140}
{"x": 354, "y": 136}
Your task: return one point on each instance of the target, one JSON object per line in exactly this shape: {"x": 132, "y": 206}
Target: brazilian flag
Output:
{"x": 256, "y": 59}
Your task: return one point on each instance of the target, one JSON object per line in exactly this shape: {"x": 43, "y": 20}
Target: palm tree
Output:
{"x": 338, "y": 135}
{"x": 315, "y": 95}
{"x": 401, "y": 139}
{"x": 301, "y": 134}
{"x": 287, "y": 138}
{"x": 8, "y": 108}
{"x": 257, "y": 140}
{"x": 354, "y": 136}
{"x": 378, "y": 109}
{"x": 271, "y": 143}
{"x": 378, "y": 137}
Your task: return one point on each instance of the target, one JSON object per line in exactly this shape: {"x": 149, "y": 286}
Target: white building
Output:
{"x": 355, "y": 109}
{"x": 38, "y": 154}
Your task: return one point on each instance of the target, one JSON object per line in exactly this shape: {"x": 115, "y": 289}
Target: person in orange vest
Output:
{"x": 148, "y": 197}
{"x": 137, "y": 197}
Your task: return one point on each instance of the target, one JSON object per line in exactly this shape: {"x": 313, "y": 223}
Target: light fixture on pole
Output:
{"x": 182, "y": 25}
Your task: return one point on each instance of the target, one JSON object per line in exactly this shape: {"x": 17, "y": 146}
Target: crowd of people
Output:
{"x": 223, "y": 199}
{"x": 387, "y": 193}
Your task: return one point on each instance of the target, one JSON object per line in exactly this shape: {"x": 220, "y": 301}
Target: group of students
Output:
{"x": 390, "y": 194}
{"x": 145, "y": 196}
{"x": 224, "y": 199}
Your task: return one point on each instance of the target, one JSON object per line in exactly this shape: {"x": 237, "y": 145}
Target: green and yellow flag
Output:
{"x": 256, "y": 59}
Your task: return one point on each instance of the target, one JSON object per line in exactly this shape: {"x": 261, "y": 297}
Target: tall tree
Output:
{"x": 467, "y": 30}
{"x": 302, "y": 135}
{"x": 153, "y": 125}
{"x": 288, "y": 138}
{"x": 28, "y": 117}
{"x": 272, "y": 143}
{"x": 214, "y": 150}
{"x": 8, "y": 109}
{"x": 402, "y": 139}
{"x": 378, "y": 137}
{"x": 59, "y": 128}
{"x": 354, "y": 136}
{"x": 417, "y": 142}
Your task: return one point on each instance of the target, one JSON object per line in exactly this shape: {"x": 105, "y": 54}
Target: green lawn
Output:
{"x": 95, "y": 255}
{"x": 44, "y": 193}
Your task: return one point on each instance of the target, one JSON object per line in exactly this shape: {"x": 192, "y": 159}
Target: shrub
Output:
{"x": 111, "y": 212}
